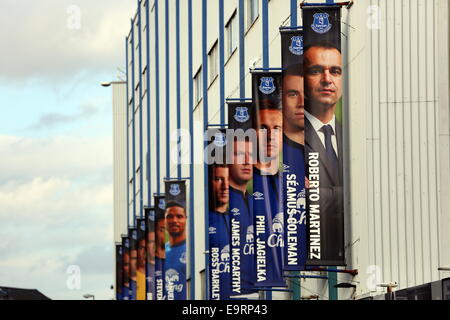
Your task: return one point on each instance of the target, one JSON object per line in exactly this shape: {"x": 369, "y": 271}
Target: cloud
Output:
{"x": 50, "y": 120}
{"x": 56, "y": 208}
{"x": 58, "y": 39}
{"x": 77, "y": 157}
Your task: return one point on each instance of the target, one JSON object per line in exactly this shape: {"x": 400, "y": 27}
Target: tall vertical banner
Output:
{"x": 323, "y": 75}
{"x": 176, "y": 218}
{"x": 267, "y": 179}
{"x": 160, "y": 246}
{"x": 295, "y": 237}
{"x": 219, "y": 230}
{"x": 132, "y": 234}
{"x": 119, "y": 271}
{"x": 240, "y": 168}
{"x": 150, "y": 253}
{"x": 141, "y": 281}
{"x": 126, "y": 267}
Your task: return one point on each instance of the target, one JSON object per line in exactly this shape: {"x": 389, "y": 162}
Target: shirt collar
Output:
{"x": 317, "y": 124}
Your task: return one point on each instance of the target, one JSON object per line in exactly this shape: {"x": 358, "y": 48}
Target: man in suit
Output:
{"x": 323, "y": 139}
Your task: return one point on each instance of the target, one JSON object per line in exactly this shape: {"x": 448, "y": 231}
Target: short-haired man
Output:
{"x": 175, "y": 264}
{"x": 241, "y": 217}
{"x": 267, "y": 195}
{"x": 219, "y": 231}
{"x": 294, "y": 160}
{"x": 159, "y": 254}
{"x": 323, "y": 90}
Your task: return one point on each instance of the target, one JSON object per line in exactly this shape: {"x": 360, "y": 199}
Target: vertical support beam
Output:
{"x": 149, "y": 159}
{"x": 167, "y": 102}
{"x": 133, "y": 122}
{"x": 205, "y": 124}
{"x": 241, "y": 49}
{"x": 296, "y": 288}
{"x": 332, "y": 276}
{"x": 222, "y": 60}
{"x": 177, "y": 13}
{"x": 332, "y": 281}
{"x": 294, "y": 17}
{"x": 157, "y": 97}
{"x": 265, "y": 32}
{"x": 191, "y": 168}
{"x": 141, "y": 128}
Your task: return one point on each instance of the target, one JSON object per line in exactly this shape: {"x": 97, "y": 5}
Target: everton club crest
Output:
{"x": 162, "y": 204}
{"x": 296, "y": 47}
{"x": 321, "y": 23}
{"x": 220, "y": 140}
{"x": 241, "y": 114}
{"x": 175, "y": 189}
{"x": 143, "y": 225}
{"x": 267, "y": 85}
{"x": 151, "y": 215}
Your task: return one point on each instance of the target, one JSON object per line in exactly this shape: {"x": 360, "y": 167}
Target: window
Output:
{"x": 213, "y": 65}
{"x": 252, "y": 11}
{"x": 198, "y": 86}
{"x": 231, "y": 29}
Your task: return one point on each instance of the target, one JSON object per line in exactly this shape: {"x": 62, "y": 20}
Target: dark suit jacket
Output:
{"x": 331, "y": 197}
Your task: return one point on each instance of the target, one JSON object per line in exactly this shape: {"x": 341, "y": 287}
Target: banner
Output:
{"x": 132, "y": 234}
{"x": 267, "y": 179}
{"x": 126, "y": 267}
{"x": 294, "y": 203}
{"x": 160, "y": 246}
{"x": 141, "y": 282}
{"x": 119, "y": 271}
{"x": 219, "y": 231}
{"x": 240, "y": 169}
{"x": 176, "y": 218}
{"x": 323, "y": 72}
{"x": 151, "y": 252}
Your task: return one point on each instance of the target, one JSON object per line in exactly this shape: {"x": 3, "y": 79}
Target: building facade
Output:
{"x": 184, "y": 58}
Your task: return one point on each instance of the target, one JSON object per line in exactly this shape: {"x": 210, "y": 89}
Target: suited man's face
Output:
{"x": 323, "y": 75}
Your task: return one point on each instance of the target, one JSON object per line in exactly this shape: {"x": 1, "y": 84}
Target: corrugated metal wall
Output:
{"x": 401, "y": 211}
{"x": 120, "y": 159}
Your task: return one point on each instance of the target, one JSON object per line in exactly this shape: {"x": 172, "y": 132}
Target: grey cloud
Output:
{"x": 38, "y": 41}
{"x": 51, "y": 120}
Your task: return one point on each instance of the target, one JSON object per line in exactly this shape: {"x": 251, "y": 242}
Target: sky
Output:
{"x": 56, "y": 178}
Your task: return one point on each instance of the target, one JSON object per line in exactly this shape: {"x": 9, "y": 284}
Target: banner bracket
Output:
{"x": 347, "y": 4}
{"x": 176, "y": 179}
{"x": 291, "y": 28}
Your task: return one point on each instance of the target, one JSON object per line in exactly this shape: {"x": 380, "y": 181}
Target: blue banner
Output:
{"x": 175, "y": 247}
{"x": 242, "y": 240}
{"x": 150, "y": 253}
{"x": 119, "y": 271}
{"x": 132, "y": 234}
{"x": 126, "y": 267}
{"x": 267, "y": 180}
{"x": 294, "y": 151}
{"x": 160, "y": 247}
{"x": 219, "y": 218}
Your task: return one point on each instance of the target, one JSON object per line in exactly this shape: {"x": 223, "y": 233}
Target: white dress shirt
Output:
{"x": 317, "y": 125}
